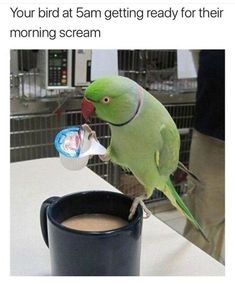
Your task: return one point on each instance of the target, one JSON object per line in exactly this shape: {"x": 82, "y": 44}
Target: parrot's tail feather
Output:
{"x": 175, "y": 199}
{"x": 182, "y": 167}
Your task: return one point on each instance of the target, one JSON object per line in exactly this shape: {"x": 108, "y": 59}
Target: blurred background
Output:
{"x": 46, "y": 88}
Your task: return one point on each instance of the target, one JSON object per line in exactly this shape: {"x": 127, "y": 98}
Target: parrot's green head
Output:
{"x": 115, "y": 99}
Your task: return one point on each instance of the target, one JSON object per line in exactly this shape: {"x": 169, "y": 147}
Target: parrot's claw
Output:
{"x": 91, "y": 133}
{"x": 136, "y": 202}
{"x": 104, "y": 157}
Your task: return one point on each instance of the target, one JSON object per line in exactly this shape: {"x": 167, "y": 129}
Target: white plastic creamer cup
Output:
{"x": 77, "y": 158}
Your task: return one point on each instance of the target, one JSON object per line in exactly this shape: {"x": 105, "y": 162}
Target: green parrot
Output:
{"x": 144, "y": 137}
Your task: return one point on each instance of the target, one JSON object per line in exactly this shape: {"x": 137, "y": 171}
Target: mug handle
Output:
{"x": 43, "y": 217}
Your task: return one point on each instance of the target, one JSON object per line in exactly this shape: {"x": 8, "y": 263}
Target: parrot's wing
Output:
{"x": 168, "y": 156}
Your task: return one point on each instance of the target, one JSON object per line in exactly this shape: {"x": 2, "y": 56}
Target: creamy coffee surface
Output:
{"x": 94, "y": 222}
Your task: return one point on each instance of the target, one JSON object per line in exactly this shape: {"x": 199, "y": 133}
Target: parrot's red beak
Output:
{"x": 87, "y": 108}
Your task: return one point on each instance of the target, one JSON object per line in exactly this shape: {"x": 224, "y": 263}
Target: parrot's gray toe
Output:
{"x": 104, "y": 157}
{"x": 148, "y": 213}
{"x": 90, "y": 132}
{"x": 136, "y": 202}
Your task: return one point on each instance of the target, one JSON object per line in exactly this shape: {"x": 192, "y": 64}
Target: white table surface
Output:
{"x": 164, "y": 251}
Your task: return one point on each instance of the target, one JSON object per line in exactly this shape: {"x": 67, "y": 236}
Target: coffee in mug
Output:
{"x": 94, "y": 222}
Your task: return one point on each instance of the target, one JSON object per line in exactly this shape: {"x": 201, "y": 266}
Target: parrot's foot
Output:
{"x": 136, "y": 202}
{"x": 104, "y": 157}
{"x": 90, "y": 132}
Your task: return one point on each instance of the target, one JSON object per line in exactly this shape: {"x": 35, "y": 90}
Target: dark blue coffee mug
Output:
{"x": 73, "y": 252}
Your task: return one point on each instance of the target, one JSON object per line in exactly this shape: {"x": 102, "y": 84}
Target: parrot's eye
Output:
{"x": 106, "y": 100}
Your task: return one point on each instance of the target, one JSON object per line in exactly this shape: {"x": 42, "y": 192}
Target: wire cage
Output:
{"x": 155, "y": 70}
{"x": 32, "y": 133}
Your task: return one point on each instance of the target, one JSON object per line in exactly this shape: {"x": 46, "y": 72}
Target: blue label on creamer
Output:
{"x": 67, "y": 142}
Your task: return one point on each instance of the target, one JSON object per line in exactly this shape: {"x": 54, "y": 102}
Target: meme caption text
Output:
{"x": 107, "y": 15}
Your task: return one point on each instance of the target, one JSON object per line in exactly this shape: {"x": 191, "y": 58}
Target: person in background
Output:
{"x": 206, "y": 199}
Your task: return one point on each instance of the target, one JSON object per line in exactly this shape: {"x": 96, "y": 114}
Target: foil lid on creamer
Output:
{"x": 68, "y": 142}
